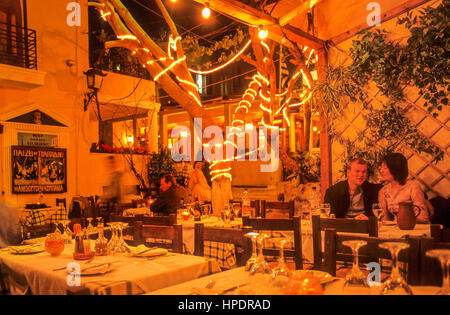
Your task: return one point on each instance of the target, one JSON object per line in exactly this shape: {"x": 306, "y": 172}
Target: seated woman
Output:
{"x": 394, "y": 172}
{"x": 198, "y": 184}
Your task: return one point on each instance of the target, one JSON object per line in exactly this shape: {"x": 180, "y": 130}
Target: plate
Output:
{"x": 389, "y": 223}
{"x": 97, "y": 270}
{"x": 323, "y": 276}
{"x": 26, "y": 250}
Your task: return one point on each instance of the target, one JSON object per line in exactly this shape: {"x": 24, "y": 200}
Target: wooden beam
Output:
{"x": 305, "y": 6}
{"x": 255, "y": 18}
{"x": 388, "y": 15}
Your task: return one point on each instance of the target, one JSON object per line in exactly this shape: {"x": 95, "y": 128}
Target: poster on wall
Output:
{"x": 36, "y": 170}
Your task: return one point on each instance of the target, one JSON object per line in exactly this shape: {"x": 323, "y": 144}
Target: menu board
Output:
{"x": 37, "y": 140}
{"x": 38, "y": 169}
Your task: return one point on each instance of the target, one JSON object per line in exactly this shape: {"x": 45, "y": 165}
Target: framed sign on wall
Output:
{"x": 36, "y": 170}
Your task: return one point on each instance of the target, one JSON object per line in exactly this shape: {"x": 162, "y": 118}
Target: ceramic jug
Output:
{"x": 406, "y": 218}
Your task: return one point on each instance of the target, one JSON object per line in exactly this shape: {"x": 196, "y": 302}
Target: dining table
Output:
{"x": 238, "y": 281}
{"x": 38, "y": 272}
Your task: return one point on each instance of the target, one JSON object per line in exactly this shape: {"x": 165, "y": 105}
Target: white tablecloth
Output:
{"x": 129, "y": 276}
{"x": 239, "y": 277}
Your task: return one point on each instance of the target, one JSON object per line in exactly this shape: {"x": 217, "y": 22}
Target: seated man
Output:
{"x": 169, "y": 199}
{"x": 354, "y": 197}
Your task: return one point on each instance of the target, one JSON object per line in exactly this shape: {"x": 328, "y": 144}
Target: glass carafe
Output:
{"x": 101, "y": 244}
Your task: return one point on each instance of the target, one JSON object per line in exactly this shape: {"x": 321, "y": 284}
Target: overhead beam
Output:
{"x": 388, "y": 15}
{"x": 305, "y": 6}
{"x": 255, "y": 18}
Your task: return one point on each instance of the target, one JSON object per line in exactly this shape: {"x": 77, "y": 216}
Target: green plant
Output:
{"x": 160, "y": 164}
{"x": 307, "y": 167}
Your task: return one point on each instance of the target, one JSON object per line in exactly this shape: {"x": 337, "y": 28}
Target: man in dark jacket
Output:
{"x": 169, "y": 199}
{"x": 354, "y": 197}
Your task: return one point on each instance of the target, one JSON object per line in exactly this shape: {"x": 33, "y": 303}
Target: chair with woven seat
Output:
{"x": 223, "y": 235}
{"x": 61, "y": 202}
{"x": 282, "y": 225}
{"x": 173, "y": 233}
{"x": 277, "y": 209}
{"x": 369, "y": 227}
{"x": 336, "y": 252}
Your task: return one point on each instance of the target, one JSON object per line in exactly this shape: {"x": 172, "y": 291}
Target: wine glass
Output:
{"x": 90, "y": 227}
{"x": 260, "y": 265}
{"x": 395, "y": 284}
{"x": 325, "y": 209}
{"x": 281, "y": 272}
{"x": 377, "y": 211}
{"x": 67, "y": 235}
{"x": 121, "y": 248}
{"x": 253, "y": 236}
{"x": 99, "y": 220}
{"x": 355, "y": 281}
{"x": 113, "y": 240}
{"x": 444, "y": 258}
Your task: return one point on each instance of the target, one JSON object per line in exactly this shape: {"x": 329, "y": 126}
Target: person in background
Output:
{"x": 198, "y": 185}
{"x": 169, "y": 200}
{"x": 207, "y": 172}
{"x": 115, "y": 190}
{"x": 9, "y": 227}
{"x": 394, "y": 172}
{"x": 354, "y": 197}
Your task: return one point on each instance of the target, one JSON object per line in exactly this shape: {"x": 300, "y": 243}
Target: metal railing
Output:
{"x": 18, "y": 46}
{"x": 121, "y": 61}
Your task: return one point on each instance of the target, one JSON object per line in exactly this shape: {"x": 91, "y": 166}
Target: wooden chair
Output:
{"x": 223, "y": 235}
{"x": 341, "y": 225}
{"x": 293, "y": 224}
{"x": 336, "y": 251}
{"x": 33, "y": 231}
{"x": 255, "y": 204}
{"x": 61, "y": 201}
{"x": 173, "y": 233}
{"x": 171, "y": 219}
{"x": 431, "y": 268}
{"x": 277, "y": 209}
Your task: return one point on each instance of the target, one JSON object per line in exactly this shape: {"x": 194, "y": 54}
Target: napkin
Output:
{"x": 144, "y": 251}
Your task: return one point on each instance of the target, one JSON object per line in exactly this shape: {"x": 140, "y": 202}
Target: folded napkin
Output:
{"x": 144, "y": 251}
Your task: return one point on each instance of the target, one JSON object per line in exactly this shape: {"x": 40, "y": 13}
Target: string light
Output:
{"x": 286, "y": 117}
{"x": 172, "y": 44}
{"x": 306, "y": 79}
{"x": 265, "y": 46}
{"x": 225, "y": 64}
{"x": 267, "y": 99}
{"x": 206, "y": 12}
{"x": 265, "y": 109}
{"x": 123, "y": 37}
{"x": 104, "y": 15}
{"x": 169, "y": 67}
{"x": 263, "y": 33}
{"x": 188, "y": 83}
{"x": 195, "y": 98}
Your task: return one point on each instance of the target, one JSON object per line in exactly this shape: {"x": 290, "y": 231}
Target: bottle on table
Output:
{"x": 101, "y": 244}
{"x": 246, "y": 210}
{"x": 315, "y": 202}
{"x": 82, "y": 247}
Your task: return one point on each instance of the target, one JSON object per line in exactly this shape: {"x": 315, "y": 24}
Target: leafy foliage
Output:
{"x": 308, "y": 167}
{"x": 160, "y": 164}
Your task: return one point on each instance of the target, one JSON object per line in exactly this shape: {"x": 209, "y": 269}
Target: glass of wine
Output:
{"x": 355, "y": 281}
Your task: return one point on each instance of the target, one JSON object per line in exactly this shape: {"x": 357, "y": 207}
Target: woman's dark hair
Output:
{"x": 398, "y": 166}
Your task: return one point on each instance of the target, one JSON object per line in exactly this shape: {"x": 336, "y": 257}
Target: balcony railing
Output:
{"x": 18, "y": 46}
{"x": 121, "y": 61}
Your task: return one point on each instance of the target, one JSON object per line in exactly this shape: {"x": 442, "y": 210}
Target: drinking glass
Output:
{"x": 444, "y": 258}
{"x": 99, "y": 220}
{"x": 395, "y": 284}
{"x": 253, "y": 236}
{"x": 281, "y": 272}
{"x": 113, "y": 240}
{"x": 377, "y": 211}
{"x": 90, "y": 227}
{"x": 67, "y": 235}
{"x": 325, "y": 209}
{"x": 260, "y": 265}
{"x": 355, "y": 281}
{"x": 120, "y": 247}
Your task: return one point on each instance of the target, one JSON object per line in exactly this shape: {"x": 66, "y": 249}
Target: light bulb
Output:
{"x": 263, "y": 33}
{"x": 206, "y": 12}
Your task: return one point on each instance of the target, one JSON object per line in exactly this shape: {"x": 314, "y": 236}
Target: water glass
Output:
{"x": 395, "y": 284}
{"x": 325, "y": 209}
{"x": 443, "y": 255}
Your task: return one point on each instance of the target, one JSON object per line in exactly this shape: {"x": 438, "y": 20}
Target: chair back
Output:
{"x": 277, "y": 209}
{"x": 369, "y": 227}
{"x": 439, "y": 234}
{"x": 293, "y": 224}
{"x": 38, "y": 230}
{"x": 173, "y": 233}
{"x": 223, "y": 235}
{"x": 431, "y": 268}
{"x": 335, "y": 251}
{"x": 61, "y": 201}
